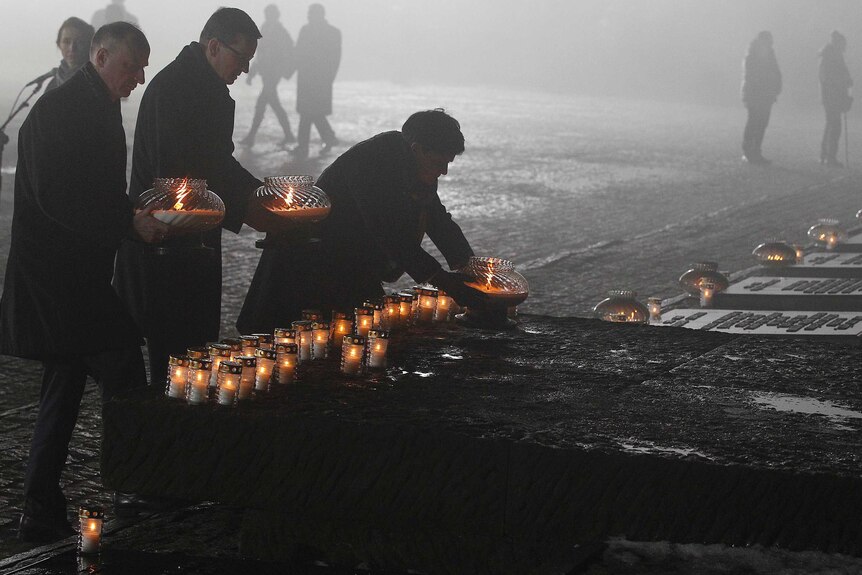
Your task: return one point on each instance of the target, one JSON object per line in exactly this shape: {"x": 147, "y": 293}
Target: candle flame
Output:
{"x": 92, "y": 525}
{"x": 182, "y": 192}
{"x": 288, "y": 199}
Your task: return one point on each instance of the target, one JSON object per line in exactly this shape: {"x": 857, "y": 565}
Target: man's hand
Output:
{"x": 263, "y": 220}
{"x": 455, "y": 284}
{"x": 147, "y": 228}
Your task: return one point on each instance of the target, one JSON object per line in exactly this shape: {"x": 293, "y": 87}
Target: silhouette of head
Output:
{"x": 271, "y": 12}
{"x": 765, "y": 37}
{"x": 316, "y": 13}
{"x": 229, "y": 41}
{"x": 120, "y": 52}
{"x": 435, "y": 138}
{"x": 73, "y": 40}
{"x": 839, "y": 40}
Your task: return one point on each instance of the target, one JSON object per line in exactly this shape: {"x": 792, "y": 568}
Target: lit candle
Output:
{"x": 352, "y": 352}
{"x": 800, "y": 254}
{"x": 444, "y": 306}
{"x": 90, "y": 536}
{"x": 377, "y": 309}
{"x": 178, "y": 376}
{"x": 378, "y": 341}
{"x": 654, "y": 306}
{"x": 285, "y": 363}
{"x": 229, "y": 374}
{"x": 341, "y": 325}
{"x": 247, "y": 377}
{"x": 235, "y": 344}
{"x": 707, "y": 291}
{"x": 283, "y": 335}
{"x": 427, "y": 304}
{"x": 201, "y": 352}
{"x": 219, "y": 352}
{"x": 264, "y": 340}
{"x": 265, "y": 366}
{"x": 391, "y": 312}
{"x": 249, "y": 344}
{"x": 405, "y": 302}
{"x": 415, "y": 304}
{"x": 364, "y": 320}
{"x": 320, "y": 345}
{"x": 831, "y": 241}
{"x": 303, "y": 338}
{"x": 197, "y": 390}
{"x": 312, "y": 315}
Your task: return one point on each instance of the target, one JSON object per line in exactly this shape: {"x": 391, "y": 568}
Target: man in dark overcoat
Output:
{"x": 185, "y": 129}
{"x": 318, "y": 53}
{"x": 71, "y": 213}
{"x": 384, "y": 201}
{"x": 761, "y": 85}
{"x": 835, "y": 85}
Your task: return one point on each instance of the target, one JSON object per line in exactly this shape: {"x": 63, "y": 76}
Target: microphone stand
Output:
{"x": 4, "y": 139}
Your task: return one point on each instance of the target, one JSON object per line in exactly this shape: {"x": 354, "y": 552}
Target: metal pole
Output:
{"x": 846, "y": 149}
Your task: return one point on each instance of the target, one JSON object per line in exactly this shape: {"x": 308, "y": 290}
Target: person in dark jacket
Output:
{"x": 73, "y": 40}
{"x": 318, "y": 52}
{"x": 384, "y": 201}
{"x": 835, "y": 84}
{"x": 71, "y": 213}
{"x": 275, "y": 60}
{"x": 761, "y": 86}
{"x": 185, "y": 129}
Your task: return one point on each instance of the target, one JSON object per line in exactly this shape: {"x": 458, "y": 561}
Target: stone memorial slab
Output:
{"x": 793, "y": 293}
{"x": 512, "y": 451}
{"x": 840, "y": 324}
{"x": 820, "y": 264}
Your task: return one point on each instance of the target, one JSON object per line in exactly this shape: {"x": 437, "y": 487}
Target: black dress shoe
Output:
{"x": 132, "y": 504}
{"x": 42, "y": 530}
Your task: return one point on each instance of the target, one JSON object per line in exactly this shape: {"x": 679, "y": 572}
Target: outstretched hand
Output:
{"x": 455, "y": 284}
{"x": 147, "y": 228}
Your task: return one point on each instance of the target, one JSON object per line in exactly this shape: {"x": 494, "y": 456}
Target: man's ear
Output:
{"x": 101, "y": 57}
{"x": 213, "y": 47}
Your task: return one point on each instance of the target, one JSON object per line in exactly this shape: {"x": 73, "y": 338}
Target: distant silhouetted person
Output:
{"x": 318, "y": 52}
{"x": 113, "y": 12}
{"x": 835, "y": 84}
{"x": 73, "y": 40}
{"x": 275, "y": 60}
{"x": 761, "y": 85}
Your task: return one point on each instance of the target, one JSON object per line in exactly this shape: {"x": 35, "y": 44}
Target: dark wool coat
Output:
{"x": 835, "y": 81}
{"x": 71, "y": 213}
{"x": 184, "y": 129}
{"x": 318, "y": 54}
{"x": 275, "y": 57}
{"x": 380, "y": 214}
{"x": 761, "y": 83}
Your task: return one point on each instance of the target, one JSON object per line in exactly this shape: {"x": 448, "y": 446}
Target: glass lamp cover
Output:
{"x": 691, "y": 280}
{"x": 497, "y": 278}
{"x": 775, "y": 253}
{"x": 294, "y": 197}
{"x": 184, "y": 204}
{"x": 826, "y": 229}
{"x": 621, "y": 306}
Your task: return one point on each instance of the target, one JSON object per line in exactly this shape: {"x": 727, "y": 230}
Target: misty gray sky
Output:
{"x": 668, "y": 49}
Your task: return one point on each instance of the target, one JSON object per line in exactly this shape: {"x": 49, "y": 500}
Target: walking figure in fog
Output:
{"x": 73, "y": 40}
{"x": 71, "y": 213}
{"x": 761, "y": 84}
{"x": 318, "y": 52}
{"x": 275, "y": 60}
{"x": 835, "y": 84}
{"x": 113, "y": 12}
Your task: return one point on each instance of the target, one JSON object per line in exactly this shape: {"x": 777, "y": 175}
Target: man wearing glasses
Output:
{"x": 185, "y": 129}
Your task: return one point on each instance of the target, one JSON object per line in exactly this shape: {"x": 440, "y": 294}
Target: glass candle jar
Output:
{"x": 621, "y": 306}
{"x": 427, "y": 304}
{"x": 201, "y": 352}
{"x": 264, "y": 369}
{"x": 283, "y": 335}
{"x": 364, "y": 320}
{"x": 295, "y": 198}
{"x": 186, "y": 205}
{"x": 707, "y": 293}
{"x": 378, "y": 342}
{"x": 197, "y": 389}
{"x": 229, "y": 375}
{"x": 352, "y": 354}
{"x": 303, "y": 339}
{"x": 285, "y": 363}
{"x": 444, "y": 306}
{"x": 391, "y": 312}
{"x": 249, "y": 344}
{"x": 264, "y": 340}
{"x": 178, "y": 376}
{"x": 702, "y": 271}
{"x": 219, "y": 352}
{"x": 320, "y": 343}
{"x": 312, "y": 315}
{"x": 235, "y": 344}
{"x": 405, "y": 303}
{"x": 90, "y": 533}
{"x": 654, "y": 307}
{"x": 247, "y": 377}
{"x": 341, "y": 325}
{"x": 377, "y": 309}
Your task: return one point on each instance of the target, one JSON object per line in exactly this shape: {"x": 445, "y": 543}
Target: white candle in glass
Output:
{"x": 304, "y": 338}
{"x": 352, "y": 352}
{"x": 707, "y": 292}
{"x": 90, "y": 536}
{"x": 219, "y": 352}
{"x": 831, "y": 241}
{"x": 364, "y": 320}
{"x": 265, "y": 366}
{"x": 405, "y": 303}
{"x": 341, "y": 325}
{"x": 285, "y": 363}
{"x": 391, "y": 312}
{"x": 800, "y": 254}
{"x": 444, "y": 306}
{"x": 320, "y": 345}
{"x": 197, "y": 390}
{"x": 283, "y": 335}
{"x": 378, "y": 342}
{"x": 229, "y": 374}
{"x": 264, "y": 340}
{"x": 654, "y": 306}
{"x": 249, "y": 344}
{"x": 247, "y": 377}
{"x": 427, "y": 305}
{"x": 178, "y": 376}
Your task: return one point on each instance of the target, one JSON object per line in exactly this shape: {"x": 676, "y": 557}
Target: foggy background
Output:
{"x": 678, "y": 50}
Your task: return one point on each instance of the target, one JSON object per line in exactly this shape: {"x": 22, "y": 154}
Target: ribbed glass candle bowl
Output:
{"x": 186, "y": 205}
{"x": 294, "y": 197}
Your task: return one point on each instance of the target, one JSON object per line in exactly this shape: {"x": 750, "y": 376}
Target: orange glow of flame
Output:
{"x": 182, "y": 192}
{"x": 775, "y": 258}
{"x": 288, "y": 199}
{"x": 92, "y": 526}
